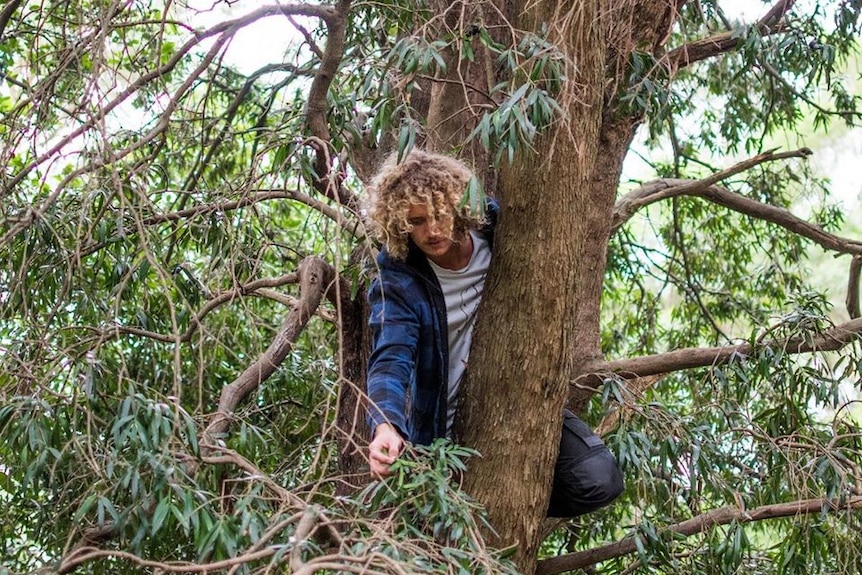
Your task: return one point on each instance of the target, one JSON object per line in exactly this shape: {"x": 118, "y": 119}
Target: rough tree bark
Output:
{"x": 538, "y": 328}
{"x": 531, "y": 335}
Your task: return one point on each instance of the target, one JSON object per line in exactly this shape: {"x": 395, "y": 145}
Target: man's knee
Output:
{"x": 586, "y": 475}
{"x": 585, "y": 485}
{"x": 599, "y": 479}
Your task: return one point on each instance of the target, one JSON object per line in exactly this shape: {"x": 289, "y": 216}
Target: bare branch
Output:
{"x": 783, "y": 218}
{"x": 36, "y": 213}
{"x": 227, "y": 28}
{"x": 86, "y": 554}
{"x": 309, "y": 39}
{"x": 694, "y": 526}
{"x": 328, "y": 183}
{"x": 852, "y": 300}
{"x": 662, "y": 189}
{"x": 771, "y": 23}
{"x": 303, "y": 530}
{"x": 669, "y": 188}
{"x": 830, "y": 340}
{"x": 228, "y": 118}
{"x": 315, "y": 278}
{"x": 346, "y": 222}
{"x": 776, "y": 13}
{"x": 257, "y": 287}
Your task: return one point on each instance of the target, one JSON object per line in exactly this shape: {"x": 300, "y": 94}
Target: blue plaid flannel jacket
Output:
{"x": 409, "y": 362}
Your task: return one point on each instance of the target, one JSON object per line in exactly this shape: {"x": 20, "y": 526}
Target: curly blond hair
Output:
{"x": 437, "y": 181}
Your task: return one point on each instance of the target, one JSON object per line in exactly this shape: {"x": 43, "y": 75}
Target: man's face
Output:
{"x": 431, "y": 235}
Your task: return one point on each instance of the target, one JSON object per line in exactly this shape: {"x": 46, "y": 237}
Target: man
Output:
{"x": 423, "y": 303}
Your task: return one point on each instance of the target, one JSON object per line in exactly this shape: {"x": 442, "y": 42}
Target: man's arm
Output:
{"x": 395, "y": 330}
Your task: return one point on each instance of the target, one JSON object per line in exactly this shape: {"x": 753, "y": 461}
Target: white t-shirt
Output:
{"x": 462, "y": 290}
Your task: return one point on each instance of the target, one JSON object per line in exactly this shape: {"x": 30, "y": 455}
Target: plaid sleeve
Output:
{"x": 395, "y": 328}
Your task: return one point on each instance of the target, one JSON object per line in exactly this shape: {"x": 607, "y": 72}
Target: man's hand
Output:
{"x": 384, "y": 449}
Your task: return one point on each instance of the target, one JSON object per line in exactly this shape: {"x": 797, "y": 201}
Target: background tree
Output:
{"x": 183, "y": 264}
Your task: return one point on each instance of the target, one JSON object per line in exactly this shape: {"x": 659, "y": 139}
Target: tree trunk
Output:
{"x": 539, "y": 320}
{"x": 531, "y": 335}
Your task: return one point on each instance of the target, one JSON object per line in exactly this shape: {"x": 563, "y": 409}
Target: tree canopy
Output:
{"x": 183, "y": 266}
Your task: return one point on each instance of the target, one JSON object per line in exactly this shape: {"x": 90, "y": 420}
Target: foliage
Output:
{"x": 420, "y": 498}
{"x": 149, "y": 183}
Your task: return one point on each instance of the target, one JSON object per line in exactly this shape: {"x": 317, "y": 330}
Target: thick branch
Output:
{"x": 694, "y": 526}
{"x": 830, "y": 340}
{"x": 771, "y": 23}
{"x": 315, "y": 278}
{"x": 783, "y": 218}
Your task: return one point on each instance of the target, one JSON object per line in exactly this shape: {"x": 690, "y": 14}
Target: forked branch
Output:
{"x": 315, "y": 278}
{"x": 666, "y": 188}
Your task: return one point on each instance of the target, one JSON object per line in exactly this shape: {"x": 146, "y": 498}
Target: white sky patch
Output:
{"x": 263, "y": 42}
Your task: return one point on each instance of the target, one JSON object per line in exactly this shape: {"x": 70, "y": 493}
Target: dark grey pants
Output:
{"x": 586, "y": 475}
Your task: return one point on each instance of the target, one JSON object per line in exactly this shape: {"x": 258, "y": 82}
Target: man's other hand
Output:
{"x": 384, "y": 449}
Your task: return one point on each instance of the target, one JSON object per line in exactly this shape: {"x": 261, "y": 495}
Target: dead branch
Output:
{"x": 86, "y": 554}
{"x": 694, "y": 526}
{"x": 831, "y": 339}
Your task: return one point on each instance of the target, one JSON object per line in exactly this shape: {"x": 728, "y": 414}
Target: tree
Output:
{"x": 184, "y": 261}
